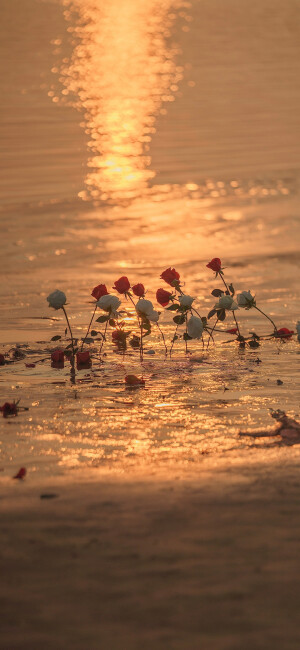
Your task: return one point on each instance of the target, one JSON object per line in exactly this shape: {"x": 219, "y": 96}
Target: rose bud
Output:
{"x": 215, "y": 265}
{"x": 163, "y": 297}
{"x": 9, "y": 409}
{"x": 139, "y": 290}
{"x": 99, "y": 291}
{"x": 170, "y": 276}
{"x": 30, "y": 365}
{"x": 21, "y": 473}
{"x": 133, "y": 380}
{"x": 234, "y": 330}
{"x": 284, "y": 333}
{"x": 57, "y": 356}
{"x": 57, "y": 299}
{"x": 83, "y": 357}
{"x": 2, "y": 360}
{"x": 122, "y": 285}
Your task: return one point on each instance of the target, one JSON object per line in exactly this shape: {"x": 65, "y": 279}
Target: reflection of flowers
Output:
{"x": 83, "y": 357}
{"x": 57, "y": 356}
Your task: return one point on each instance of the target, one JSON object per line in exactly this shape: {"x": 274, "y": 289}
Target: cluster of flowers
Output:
{"x": 174, "y": 300}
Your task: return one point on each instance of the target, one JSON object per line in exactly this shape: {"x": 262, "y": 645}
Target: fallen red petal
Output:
{"x": 21, "y": 473}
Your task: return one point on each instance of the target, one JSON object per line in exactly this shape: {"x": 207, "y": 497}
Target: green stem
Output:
{"x": 268, "y": 317}
{"x": 163, "y": 338}
{"x": 186, "y": 348}
{"x": 172, "y": 344}
{"x": 211, "y": 333}
{"x": 103, "y": 336}
{"x": 89, "y": 327}
{"x": 233, "y": 314}
{"x": 71, "y": 334}
{"x": 141, "y": 343}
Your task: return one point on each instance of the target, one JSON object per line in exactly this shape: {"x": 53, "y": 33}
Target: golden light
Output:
{"x": 121, "y": 70}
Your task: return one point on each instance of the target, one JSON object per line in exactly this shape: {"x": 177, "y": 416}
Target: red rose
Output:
{"x": 83, "y": 357}
{"x": 163, "y": 297}
{"x": 21, "y": 473}
{"x": 139, "y": 290}
{"x": 214, "y": 265}
{"x": 122, "y": 285}
{"x": 234, "y": 330}
{"x": 133, "y": 380}
{"x": 2, "y": 360}
{"x": 9, "y": 409}
{"x": 99, "y": 291}
{"x": 170, "y": 276}
{"x": 284, "y": 333}
{"x": 57, "y": 356}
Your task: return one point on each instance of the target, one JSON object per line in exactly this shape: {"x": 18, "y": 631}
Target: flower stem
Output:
{"x": 268, "y": 317}
{"x": 141, "y": 343}
{"x": 163, "y": 338}
{"x": 89, "y": 327}
{"x": 71, "y": 334}
{"x": 172, "y": 344}
{"x": 103, "y": 337}
{"x": 211, "y": 333}
{"x": 140, "y": 323}
{"x": 237, "y": 325}
{"x": 233, "y": 314}
{"x": 186, "y": 348}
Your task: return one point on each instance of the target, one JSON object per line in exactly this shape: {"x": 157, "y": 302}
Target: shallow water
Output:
{"x": 136, "y": 136}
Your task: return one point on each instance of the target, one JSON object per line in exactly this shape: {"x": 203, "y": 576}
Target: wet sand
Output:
{"x": 206, "y": 559}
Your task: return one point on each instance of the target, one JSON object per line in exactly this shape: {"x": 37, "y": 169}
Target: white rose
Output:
{"x": 195, "y": 327}
{"x": 186, "y": 301}
{"x": 153, "y": 316}
{"x": 145, "y": 308}
{"x": 226, "y": 302}
{"x": 57, "y": 299}
{"x": 298, "y": 330}
{"x": 245, "y": 299}
{"x": 109, "y": 303}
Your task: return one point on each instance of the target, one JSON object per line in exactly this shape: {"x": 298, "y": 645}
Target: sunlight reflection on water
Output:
{"x": 121, "y": 71}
